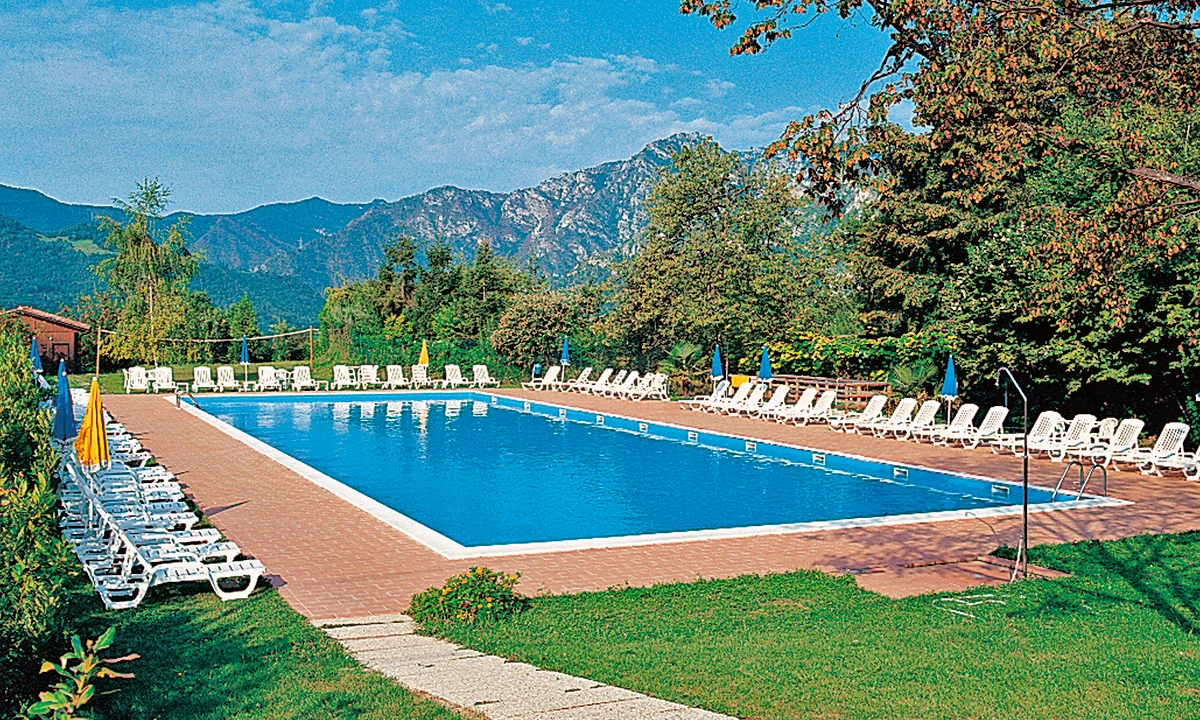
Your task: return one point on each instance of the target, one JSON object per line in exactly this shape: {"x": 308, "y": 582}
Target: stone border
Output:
{"x": 452, "y": 550}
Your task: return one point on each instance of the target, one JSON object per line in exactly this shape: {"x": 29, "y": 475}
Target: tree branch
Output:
{"x": 1163, "y": 176}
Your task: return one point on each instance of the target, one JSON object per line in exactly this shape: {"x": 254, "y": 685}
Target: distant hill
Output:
{"x": 572, "y": 226}
{"x": 50, "y": 272}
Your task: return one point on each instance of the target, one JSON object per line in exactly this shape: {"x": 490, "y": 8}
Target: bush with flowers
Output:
{"x": 480, "y": 594}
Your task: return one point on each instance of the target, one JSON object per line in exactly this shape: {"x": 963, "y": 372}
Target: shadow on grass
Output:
{"x": 1157, "y": 572}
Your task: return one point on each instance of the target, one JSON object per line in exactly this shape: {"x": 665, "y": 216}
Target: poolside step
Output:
{"x": 492, "y": 686}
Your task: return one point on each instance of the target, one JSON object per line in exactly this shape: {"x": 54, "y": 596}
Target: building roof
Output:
{"x": 26, "y": 311}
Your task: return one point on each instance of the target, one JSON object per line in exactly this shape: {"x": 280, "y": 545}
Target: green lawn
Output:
{"x": 1115, "y": 640}
{"x": 256, "y": 658}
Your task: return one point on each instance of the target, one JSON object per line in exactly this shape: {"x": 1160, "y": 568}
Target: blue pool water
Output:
{"x": 486, "y": 471}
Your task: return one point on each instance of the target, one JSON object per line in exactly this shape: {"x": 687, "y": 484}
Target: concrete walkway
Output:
{"x": 491, "y": 686}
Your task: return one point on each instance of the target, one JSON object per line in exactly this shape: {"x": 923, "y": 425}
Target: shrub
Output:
{"x": 34, "y": 559}
{"x": 857, "y": 357}
{"x": 480, "y": 594}
{"x": 76, "y": 689}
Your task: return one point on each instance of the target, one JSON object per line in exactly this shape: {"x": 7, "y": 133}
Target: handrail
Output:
{"x": 185, "y": 393}
{"x": 1061, "y": 478}
{"x": 1094, "y": 468}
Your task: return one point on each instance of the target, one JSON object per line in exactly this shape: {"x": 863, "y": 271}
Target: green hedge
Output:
{"x": 856, "y": 357}
{"x": 380, "y": 350}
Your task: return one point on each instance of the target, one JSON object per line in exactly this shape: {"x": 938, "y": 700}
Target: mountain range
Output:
{"x": 571, "y": 226}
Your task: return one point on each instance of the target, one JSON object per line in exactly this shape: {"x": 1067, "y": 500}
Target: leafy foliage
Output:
{"x": 719, "y": 264}
{"x": 79, "y": 668}
{"x": 480, "y": 594}
{"x": 532, "y": 329}
{"x": 34, "y": 560}
{"x": 1046, "y": 213}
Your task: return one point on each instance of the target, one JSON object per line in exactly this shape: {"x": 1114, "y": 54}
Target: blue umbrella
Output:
{"x": 950, "y": 384}
{"x": 64, "y": 413}
{"x": 566, "y": 354}
{"x": 764, "y": 365}
{"x": 717, "y": 369}
{"x": 35, "y": 356}
{"x": 245, "y": 352}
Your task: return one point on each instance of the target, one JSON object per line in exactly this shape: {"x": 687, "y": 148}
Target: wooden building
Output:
{"x": 57, "y": 336}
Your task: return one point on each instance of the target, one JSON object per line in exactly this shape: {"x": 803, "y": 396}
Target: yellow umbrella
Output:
{"x": 424, "y": 354}
{"x": 92, "y": 443}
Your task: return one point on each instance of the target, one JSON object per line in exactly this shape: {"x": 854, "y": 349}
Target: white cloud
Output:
{"x": 719, "y": 88}
{"x": 523, "y": 41}
{"x": 494, "y": 8}
{"x": 233, "y": 108}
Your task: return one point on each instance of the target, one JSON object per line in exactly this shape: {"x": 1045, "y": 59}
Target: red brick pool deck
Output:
{"x": 330, "y": 559}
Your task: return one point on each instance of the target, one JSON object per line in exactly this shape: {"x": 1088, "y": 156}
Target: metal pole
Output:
{"x": 310, "y": 346}
{"x": 1022, "y": 562}
{"x": 97, "y": 349}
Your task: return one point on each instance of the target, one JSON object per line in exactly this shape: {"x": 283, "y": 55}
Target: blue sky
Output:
{"x": 236, "y": 103}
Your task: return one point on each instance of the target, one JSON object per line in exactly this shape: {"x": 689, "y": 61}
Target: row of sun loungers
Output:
{"x": 269, "y": 378}
{"x": 131, "y": 529}
{"x": 624, "y": 384}
{"x": 1109, "y": 442}
{"x": 366, "y": 377}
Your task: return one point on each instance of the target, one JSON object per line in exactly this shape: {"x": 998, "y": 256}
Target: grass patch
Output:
{"x": 256, "y": 658}
{"x": 1115, "y": 640}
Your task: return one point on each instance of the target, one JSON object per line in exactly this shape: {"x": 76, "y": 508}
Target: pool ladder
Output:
{"x": 179, "y": 394}
{"x": 1083, "y": 479}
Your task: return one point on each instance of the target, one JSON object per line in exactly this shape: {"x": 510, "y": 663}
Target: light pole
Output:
{"x": 1022, "y": 562}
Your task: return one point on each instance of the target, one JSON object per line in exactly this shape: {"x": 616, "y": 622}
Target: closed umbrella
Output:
{"x": 35, "y": 357}
{"x": 718, "y": 371}
{"x": 949, "y": 386}
{"x": 64, "y": 413}
{"x": 566, "y": 353}
{"x": 424, "y": 360}
{"x": 245, "y": 361}
{"x": 764, "y": 365}
{"x": 91, "y": 445}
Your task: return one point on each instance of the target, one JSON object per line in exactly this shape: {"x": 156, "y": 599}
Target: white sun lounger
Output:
{"x": 1077, "y": 436}
{"x": 135, "y": 379}
{"x": 302, "y": 379}
{"x": 604, "y": 382}
{"x": 924, "y": 418}
{"x": 773, "y": 404}
{"x": 268, "y": 379}
{"x": 483, "y": 377}
{"x": 1044, "y": 427}
{"x": 226, "y": 380}
{"x": 718, "y": 392}
{"x": 343, "y": 378}
{"x": 395, "y": 377}
{"x": 802, "y": 405}
{"x": 1166, "y": 453}
{"x": 545, "y": 382}
{"x": 454, "y": 377}
{"x": 202, "y": 379}
{"x": 368, "y": 377}
{"x": 1123, "y": 440}
{"x": 990, "y": 430}
{"x": 900, "y": 417}
{"x": 963, "y": 419}
{"x": 821, "y": 410}
{"x": 850, "y": 422}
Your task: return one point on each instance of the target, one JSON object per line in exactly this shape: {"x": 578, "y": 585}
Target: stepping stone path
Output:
{"x": 490, "y": 686}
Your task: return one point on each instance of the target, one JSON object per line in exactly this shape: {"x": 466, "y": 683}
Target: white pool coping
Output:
{"x": 452, "y": 550}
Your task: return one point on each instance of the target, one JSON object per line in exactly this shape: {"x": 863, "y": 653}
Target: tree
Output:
{"x": 147, "y": 280}
{"x": 532, "y": 328}
{"x": 242, "y": 321}
{"x": 719, "y": 264}
{"x": 1045, "y": 212}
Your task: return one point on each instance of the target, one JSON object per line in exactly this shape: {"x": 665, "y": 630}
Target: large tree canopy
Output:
{"x": 1044, "y": 209}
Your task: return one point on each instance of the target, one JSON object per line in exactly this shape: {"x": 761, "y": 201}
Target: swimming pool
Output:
{"x": 472, "y": 474}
